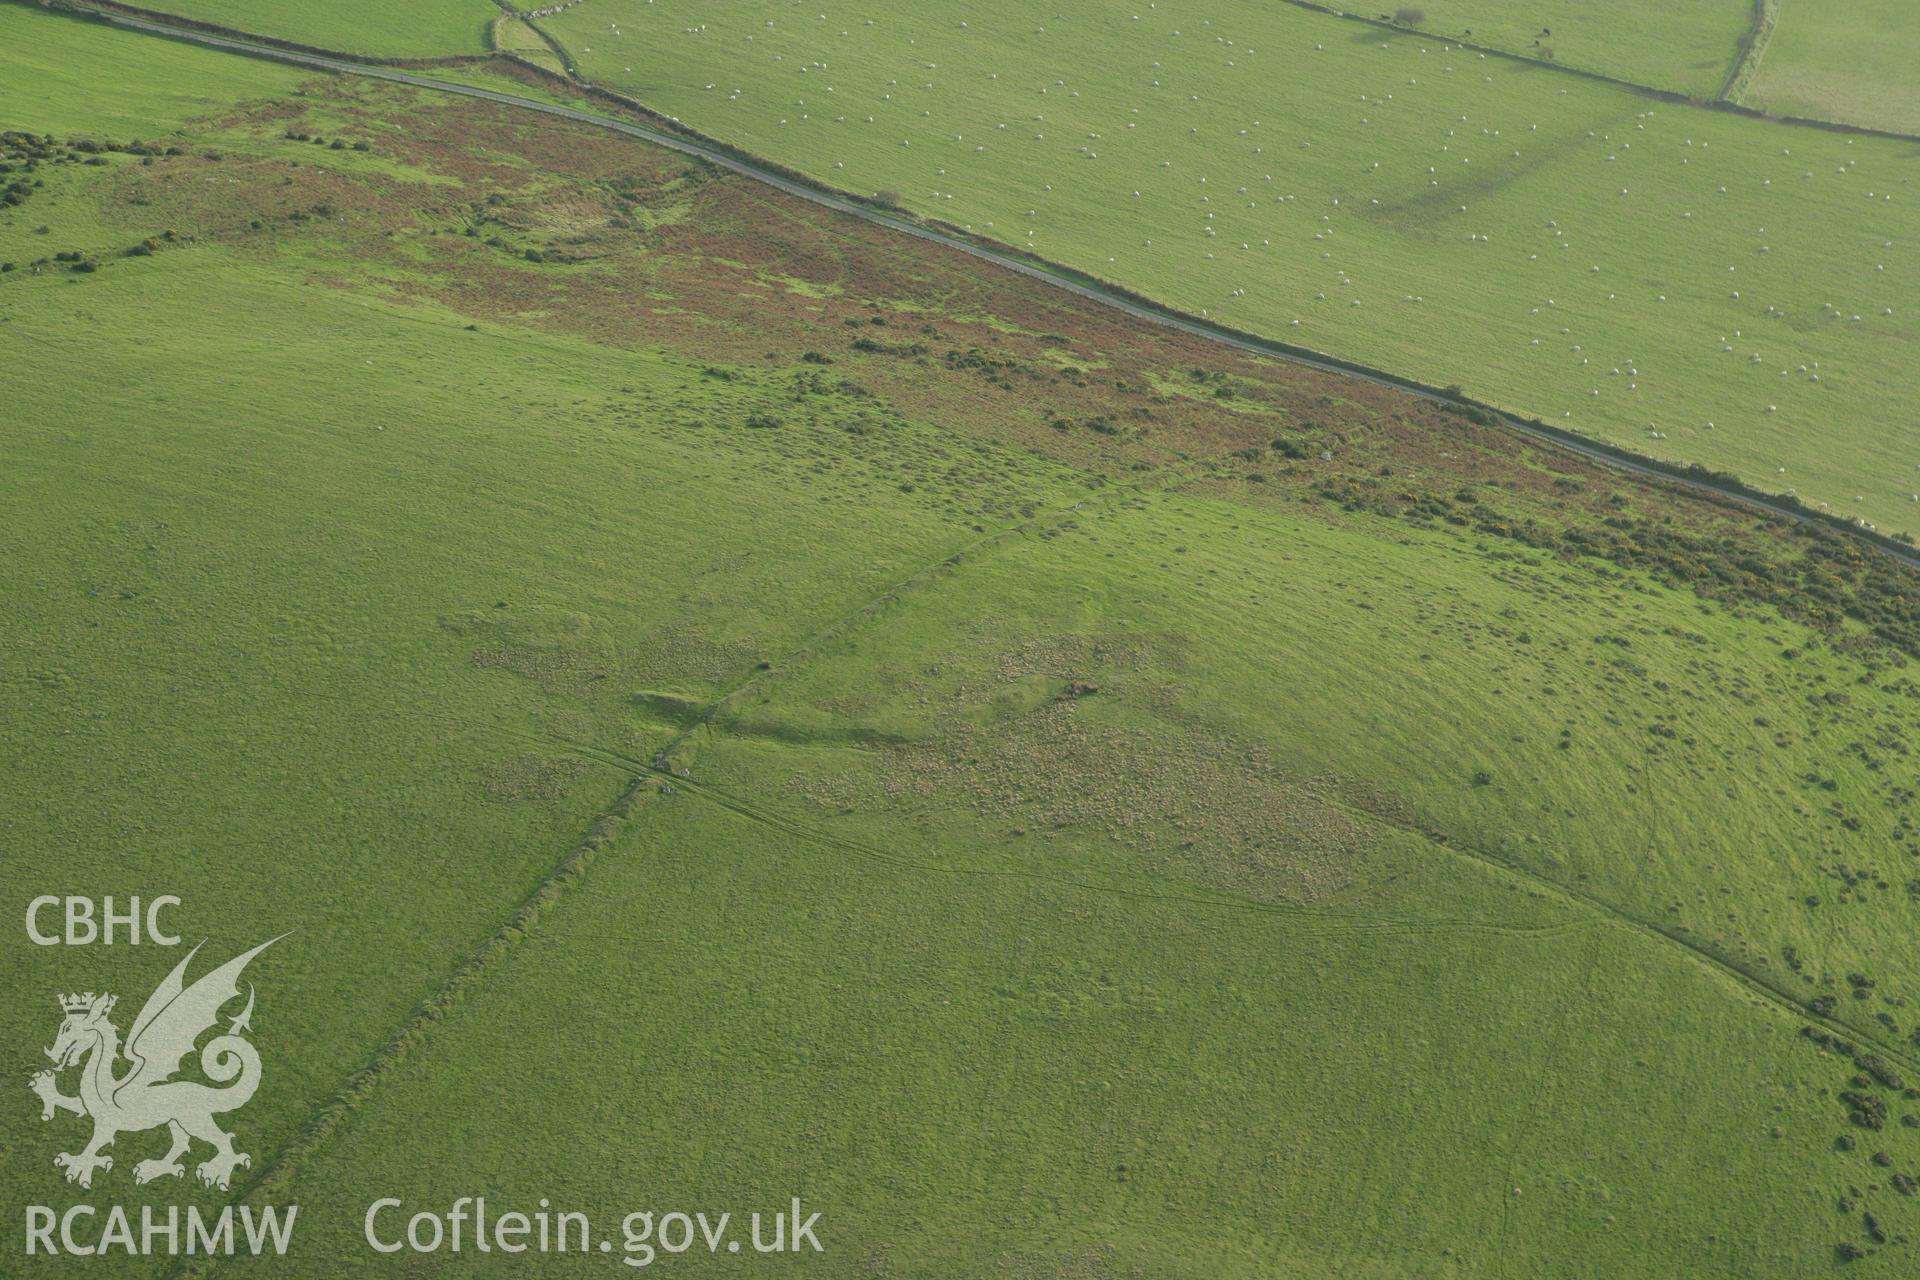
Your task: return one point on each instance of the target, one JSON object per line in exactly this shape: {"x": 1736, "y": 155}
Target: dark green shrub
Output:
{"x": 1867, "y": 1110}
{"x": 1881, "y": 1070}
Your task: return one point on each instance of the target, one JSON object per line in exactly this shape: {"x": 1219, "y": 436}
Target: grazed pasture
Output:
{"x": 1686, "y": 282}
{"x": 1180, "y": 813}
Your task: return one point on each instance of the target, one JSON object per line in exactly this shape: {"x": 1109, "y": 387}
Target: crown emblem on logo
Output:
{"x": 77, "y": 1003}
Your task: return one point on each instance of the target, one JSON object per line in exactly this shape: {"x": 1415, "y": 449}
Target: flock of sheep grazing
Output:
{"x": 1174, "y": 145}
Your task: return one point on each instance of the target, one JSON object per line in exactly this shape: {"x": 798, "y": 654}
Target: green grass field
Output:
{"x": 1683, "y": 48}
{"x": 1179, "y": 812}
{"x": 1669, "y": 279}
{"x": 1005, "y": 1075}
{"x": 55, "y": 70}
{"x": 417, "y": 29}
{"x": 514, "y": 36}
{"x": 732, "y": 704}
{"x": 241, "y": 571}
{"x": 1850, "y": 62}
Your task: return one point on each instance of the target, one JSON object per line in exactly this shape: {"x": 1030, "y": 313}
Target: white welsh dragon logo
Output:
{"x": 146, "y": 1096}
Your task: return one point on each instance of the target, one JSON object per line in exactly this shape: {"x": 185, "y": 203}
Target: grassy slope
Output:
{"x": 261, "y": 658}
{"x": 514, "y": 36}
{"x": 954, "y": 909}
{"x": 259, "y": 651}
{"x": 299, "y": 662}
{"x": 1625, "y": 811}
{"x": 55, "y": 69}
{"x": 1008, "y": 1076}
{"x": 1852, "y": 62}
{"x": 417, "y": 29}
{"x": 1303, "y": 111}
{"x": 1685, "y": 48}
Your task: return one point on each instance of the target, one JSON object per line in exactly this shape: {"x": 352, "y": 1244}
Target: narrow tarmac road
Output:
{"x": 1057, "y": 277}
